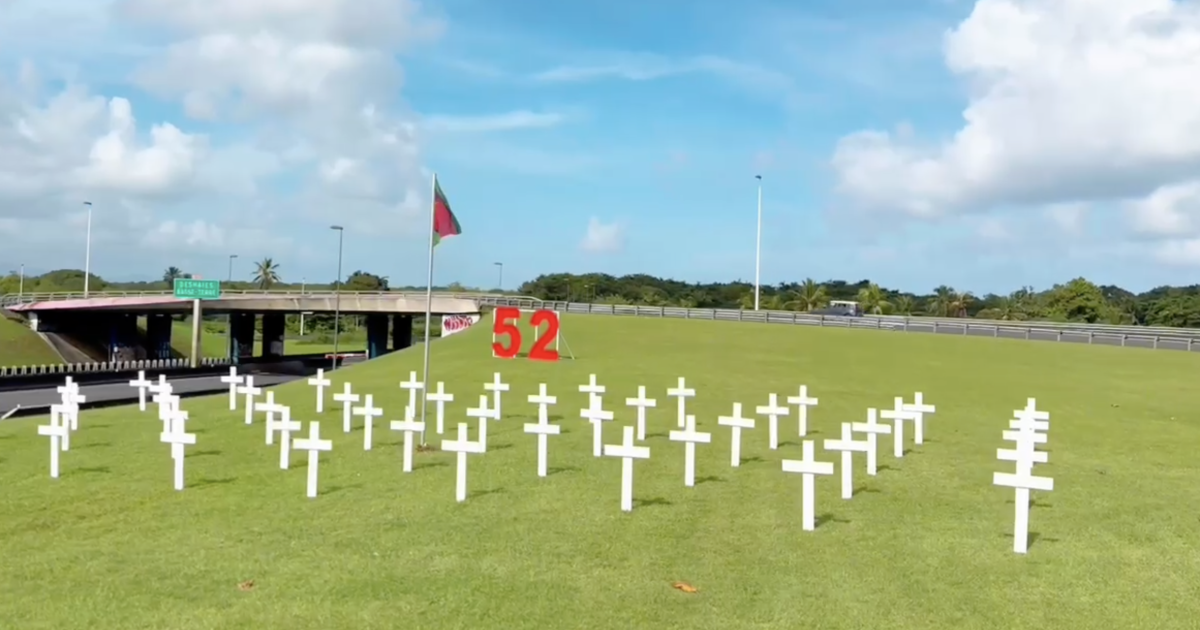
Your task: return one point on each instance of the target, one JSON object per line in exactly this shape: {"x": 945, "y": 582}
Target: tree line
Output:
{"x": 1078, "y": 300}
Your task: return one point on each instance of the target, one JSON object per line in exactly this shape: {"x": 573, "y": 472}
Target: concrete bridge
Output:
{"x": 110, "y": 319}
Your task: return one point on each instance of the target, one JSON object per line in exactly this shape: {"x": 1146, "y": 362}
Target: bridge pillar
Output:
{"x": 402, "y": 326}
{"x": 158, "y": 335}
{"x": 377, "y": 335}
{"x": 122, "y": 337}
{"x": 241, "y": 336}
{"x": 273, "y": 325}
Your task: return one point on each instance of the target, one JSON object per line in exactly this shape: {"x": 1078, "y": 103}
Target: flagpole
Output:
{"x": 428, "y": 298}
{"x": 758, "y": 243}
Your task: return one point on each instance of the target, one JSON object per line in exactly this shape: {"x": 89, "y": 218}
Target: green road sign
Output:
{"x": 190, "y": 289}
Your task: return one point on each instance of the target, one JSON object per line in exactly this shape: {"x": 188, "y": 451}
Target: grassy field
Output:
{"x": 925, "y": 544}
{"x": 21, "y": 346}
{"x": 215, "y": 343}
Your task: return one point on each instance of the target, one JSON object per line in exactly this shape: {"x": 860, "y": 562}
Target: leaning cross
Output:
{"x": 808, "y": 467}
{"x": 233, "y": 381}
{"x": 542, "y": 428}
{"x": 320, "y": 382}
{"x": 682, "y": 393}
{"x": 737, "y": 423}
{"x": 641, "y": 402}
{"x": 772, "y": 411}
{"x": 803, "y": 402}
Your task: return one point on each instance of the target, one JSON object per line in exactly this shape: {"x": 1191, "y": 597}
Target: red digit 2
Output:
{"x": 540, "y": 350}
{"x": 505, "y": 325}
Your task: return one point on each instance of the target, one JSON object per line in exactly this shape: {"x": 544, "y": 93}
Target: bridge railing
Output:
{"x": 11, "y": 299}
{"x": 108, "y": 366}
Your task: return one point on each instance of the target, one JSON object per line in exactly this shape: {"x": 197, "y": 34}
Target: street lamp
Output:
{"x": 87, "y": 261}
{"x": 21, "y": 284}
{"x": 758, "y": 243}
{"x": 337, "y": 296}
{"x": 500, "y": 282}
{"x": 231, "y": 257}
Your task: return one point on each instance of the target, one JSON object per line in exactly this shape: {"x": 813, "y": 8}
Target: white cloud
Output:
{"x": 603, "y": 238}
{"x": 1070, "y": 101}
{"x": 1172, "y": 210}
{"x": 1069, "y": 217}
{"x": 520, "y": 119}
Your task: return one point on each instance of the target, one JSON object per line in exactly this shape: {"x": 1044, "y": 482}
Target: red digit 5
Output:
{"x": 505, "y": 325}
{"x": 540, "y": 350}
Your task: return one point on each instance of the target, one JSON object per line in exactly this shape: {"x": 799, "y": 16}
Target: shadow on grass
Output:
{"x": 828, "y": 517}
{"x": 788, "y": 443}
{"x": 864, "y": 490}
{"x": 754, "y": 459}
{"x": 908, "y": 451}
{"x": 338, "y": 488}
{"x": 210, "y": 452}
{"x": 213, "y": 481}
{"x": 199, "y": 431}
{"x": 7, "y": 437}
{"x": 709, "y": 479}
{"x": 651, "y": 502}
{"x": 95, "y": 445}
{"x": 484, "y": 493}
{"x": 98, "y": 426}
{"x": 1034, "y": 538}
{"x": 93, "y": 470}
{"x": 439, "y": 464}
{"x": 554, "y": 470}
{"x": 655, "y": 434}
{"x": 1033, "y": 503}
{"x": 883, "y": 467}
{"x": 497, "y": 447}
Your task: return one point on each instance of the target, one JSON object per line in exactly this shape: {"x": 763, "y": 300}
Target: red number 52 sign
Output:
{"x": 506, "y": 336}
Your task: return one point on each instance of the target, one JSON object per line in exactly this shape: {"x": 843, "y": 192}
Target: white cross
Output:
{"x": 592, "y": 389}
{"x": 690, "y": 438}
{"x": 160, "y": 388}
{"x": 597, "y": 416}
{"x": 462, "y": 446}
{"x": 897, "y": 414}
{"x": 314, "y": 445}
{"x": 141, "y": 384}
{"x": 482, "y": 414}
{"x": 772, "y": 411}
{"x": 803, "y": 402}
{"x": 177, "y": 438}
{"x": 628, "y": 452}
{"x": 682, "y": 393}
{"x": 1030, "y": 419}
{"x": 369, "y": 412}
{"x": 168, "y": 404}
{"x": 440, "y": 397}
{"x": 286, "y": 426}
{"x": 409, "y": 426}
{"x": 67, "y": 388}
{"x": 847, "y": 446}
{"x": 1025, "y": 455}
{"x": 347, "y": 398}
{"x": 496, "y": 387}
{"x": 233, "y": 381}
{"x": 270, "y": 407}
{"x": 808, "y": 467}
{"x": 174, "y": 420}
{"x": 873, "y": 430}
{"x": 542, "y": 428}
{"x": 57, "y": 431}
{"x": 320, "y": 382}
{"x": 250, "y": 391}
{"x": 737, "y": 423}
{"x": 412, "y": 385}
{"x": 918, "y": 409}
{"x": 641, "y": 402}
{"x": 75, "y": 399}
{"x": 1022, "y": 482}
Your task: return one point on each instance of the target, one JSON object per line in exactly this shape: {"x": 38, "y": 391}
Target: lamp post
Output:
{"x": 303, "y": 282}
{"x": 337, "y": 295}
{"x": 87, "y": 259}
{"x": 758, "y": 243}
{"x": 500, "y": 281}
{"x": 231, "y": 258}
{"x": 21, "y": 284}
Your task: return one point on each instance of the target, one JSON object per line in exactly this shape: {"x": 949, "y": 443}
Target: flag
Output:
{"x": 444, "y": 222}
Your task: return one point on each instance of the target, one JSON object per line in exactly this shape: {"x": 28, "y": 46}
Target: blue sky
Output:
{"x": 902, "y": 142}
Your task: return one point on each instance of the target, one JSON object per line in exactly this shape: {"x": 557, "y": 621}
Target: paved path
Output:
{"x": 122, "y": 392}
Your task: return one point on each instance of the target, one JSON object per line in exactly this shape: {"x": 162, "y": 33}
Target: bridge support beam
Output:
{"x": 158, "y": 335}
{"x": 122, "y": 337}
{"x": 273, "y": 325}
{"x": 241, "y": 336}
{"x": 402, "y": 332}
{"x": 377, "y": 335}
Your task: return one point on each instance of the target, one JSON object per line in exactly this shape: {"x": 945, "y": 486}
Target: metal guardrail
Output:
{"x": 1125, "y": 336}
{"x": 108, "y": 366}
{"x": 29, "y": 298}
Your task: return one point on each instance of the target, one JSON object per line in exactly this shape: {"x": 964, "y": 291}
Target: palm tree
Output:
{"x": 943, "y": 297}
{"x": 872, "y": 300}
{"x": 904, "y": 305}
{"x": 812, "y": 295}
{"x": 959, "y": 302}
{"x": 266, "y": 273}
{"x": 171, "y": 274}
{"x": 1008, "y": 308}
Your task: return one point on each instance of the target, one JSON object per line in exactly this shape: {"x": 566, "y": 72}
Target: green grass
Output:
{"x": 21, "y": 346}
{"x": 926, "y": 545}
{"x": 214, "y": 344}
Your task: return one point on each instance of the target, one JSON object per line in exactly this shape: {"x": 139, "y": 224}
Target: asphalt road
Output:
{"x": 121, "y": 392}
{"x": 1068, "y": 336}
